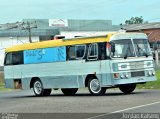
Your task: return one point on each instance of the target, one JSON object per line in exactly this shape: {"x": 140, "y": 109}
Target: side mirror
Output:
{"x": 112, "y": 47}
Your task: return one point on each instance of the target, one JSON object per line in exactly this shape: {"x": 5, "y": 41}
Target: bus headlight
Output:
{"x": 150, "y": 73}
{"x": 153, "y": 73}
{"x": 122, "y": 76}
{"x": 126, "y": 75}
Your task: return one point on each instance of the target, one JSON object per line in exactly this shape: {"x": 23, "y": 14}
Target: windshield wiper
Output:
{"x": 145, "y": 53}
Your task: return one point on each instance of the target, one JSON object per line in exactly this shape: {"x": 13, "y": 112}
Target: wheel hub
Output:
{"x": 95, "y": 86}
{"x": 38, "y": 87}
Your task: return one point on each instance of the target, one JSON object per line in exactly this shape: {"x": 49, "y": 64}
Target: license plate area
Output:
{"x": 137, "y": 73}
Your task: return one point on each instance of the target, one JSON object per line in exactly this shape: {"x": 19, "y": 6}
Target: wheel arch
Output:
{"x": 88, "y": 77}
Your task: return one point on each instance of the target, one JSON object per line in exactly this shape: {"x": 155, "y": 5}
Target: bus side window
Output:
{"x": 71, "y": 53}
{"x": 102, "y": 51}
{"x": 80, "y": 51}
{"x": 76, "y": 52}
{"x": 8, "y": 59}
{"x": 93, "y": 52}
{"x": 17, "y": 58}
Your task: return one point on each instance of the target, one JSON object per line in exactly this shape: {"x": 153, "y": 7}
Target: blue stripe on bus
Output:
{"x": 45, "y": 55}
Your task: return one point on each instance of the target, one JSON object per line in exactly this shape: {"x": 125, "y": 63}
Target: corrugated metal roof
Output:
{"x": 132, "y": 27}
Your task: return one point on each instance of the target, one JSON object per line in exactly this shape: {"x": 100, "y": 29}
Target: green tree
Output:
{"x": 134, "y": 20}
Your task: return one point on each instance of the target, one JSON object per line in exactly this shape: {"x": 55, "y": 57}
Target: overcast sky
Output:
{"x": 116, "y": 10}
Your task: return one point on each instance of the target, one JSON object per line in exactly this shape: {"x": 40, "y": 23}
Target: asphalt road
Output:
{"x": 82, "y": 105}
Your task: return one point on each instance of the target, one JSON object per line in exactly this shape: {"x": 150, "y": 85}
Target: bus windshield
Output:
{"x": 124, "y": 48}
{"x": 142, "y": 47}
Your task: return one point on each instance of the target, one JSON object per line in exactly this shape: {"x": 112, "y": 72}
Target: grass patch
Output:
{"x": 1, "y": 85}
{"x": 2, "y": 88}
{"x": 151, "y": 85}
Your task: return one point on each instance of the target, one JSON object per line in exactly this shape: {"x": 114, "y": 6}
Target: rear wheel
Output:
{"x": 95, "y": 88}
{"x": 69, "y": 91}
{"x": 39, "y": 90}
{"x": 127, "y": 88}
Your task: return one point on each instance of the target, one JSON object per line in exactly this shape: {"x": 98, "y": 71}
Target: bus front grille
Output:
{"x": 137, "y": 73}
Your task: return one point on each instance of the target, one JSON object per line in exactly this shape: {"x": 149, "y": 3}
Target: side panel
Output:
{"x": 106, "y": 80}
{"x": 45, "y": 55}
{"x": 17, "y": 71}
{"x": 69, "y": 74}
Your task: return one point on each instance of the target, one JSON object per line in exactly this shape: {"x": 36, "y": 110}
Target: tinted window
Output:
{"x": 14, "y": 58}
{"x": 71, "y": 53}
{"x": 17, "y": 58}
{"x": 8, "y": 59}
{"x": 102, "y": 51}
{"x": 76, "y": 52}
{"x": 80, "y": 51}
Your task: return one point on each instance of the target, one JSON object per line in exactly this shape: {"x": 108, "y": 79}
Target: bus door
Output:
{"x": 96, "y": 56}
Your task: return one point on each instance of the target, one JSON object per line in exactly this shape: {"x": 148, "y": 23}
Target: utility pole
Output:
{"x": 28, "y": 26}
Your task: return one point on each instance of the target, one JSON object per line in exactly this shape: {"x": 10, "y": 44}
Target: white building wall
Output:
{"x": 72, "y": 34}
{"x": 10, "y": 41}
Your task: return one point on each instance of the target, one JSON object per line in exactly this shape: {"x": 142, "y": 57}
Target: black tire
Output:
{"x": 95, "y": 88}
{"x": 69, "y": 91}
{"x": 47, "y": 92}
{"x": 39, "y": 89}
{"x": 127, "y": 88}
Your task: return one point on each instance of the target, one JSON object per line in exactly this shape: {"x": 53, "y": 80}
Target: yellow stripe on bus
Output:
{"x": 57, "y": 43}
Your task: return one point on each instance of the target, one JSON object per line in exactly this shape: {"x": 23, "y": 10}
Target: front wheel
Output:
{"x": 127, "y": 88}
{"x": 95, "y": 88}
{"x": 39, "y": 90}
{"x": 69, "y": 91}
